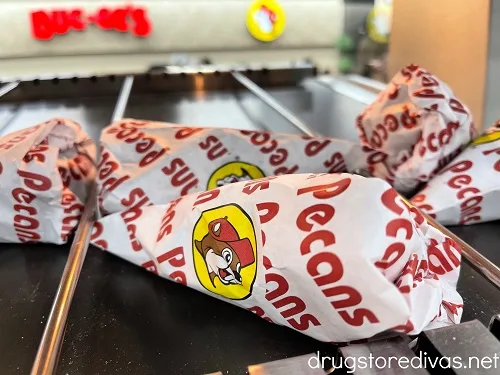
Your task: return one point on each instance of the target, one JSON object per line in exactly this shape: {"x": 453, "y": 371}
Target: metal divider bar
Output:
{"x": 49, "y": 349}
{"x": 273, "y": 103}
{"x": 5, "y": 89}
{"x": 483, "y": 265}
{"x": 121, "y": 104}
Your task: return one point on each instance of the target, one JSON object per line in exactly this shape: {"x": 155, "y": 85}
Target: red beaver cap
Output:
{"x": 223, "y": 230}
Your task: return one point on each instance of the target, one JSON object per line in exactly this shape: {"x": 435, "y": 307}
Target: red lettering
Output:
{"x": 142, "y": 25}
{"x": 174, "y": 257}
{"x": 97, "y": 231}
{"x": 353, "y": 296}
{"x": 459, "y": 181}
{"x": 472, "y": 190}
{"x": 358, "y": 317}
{"x": 332, "y": 260}
{"x": 314, "y": 147}
{"x": 319, "y": 213}
{"x": 391, "y": 122}
{"x": 298, "y": 306}
{"x": 258, "y": 139}
{"x": 278, "y": 158}
{"x": 281, "y": 289}
{"x": 35, "y": 181}
{"x": 271, "y": 209}
{"x": 389, "y": 198}
{"x": 304, "y": 322}
{"x": 460, "y": 166}
{"x": 392, "y": 254}
{"x": 112, "y": 183}
{"x": 152, "y": 157}
{"x": 23, "y": 196}
{"x": 272, "y": 146}
{"x": 432, "y": 146}
{"x": 497, "y": 164}
{"x": 254, "y": 185}
{"x": 327, "y": 237}
{"x": 183, "y": 133}
{"x": 336, "y": 163}
{"x": 396, "y": 224}
{"x": 206, "y": 196}
{"x": 427, "y": 93}
{"x": 327, "y": 191}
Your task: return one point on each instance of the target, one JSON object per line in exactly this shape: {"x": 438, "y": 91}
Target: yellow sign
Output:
{"x": 491, "y": 135}
{"x": 266, "y": 20}
{"x": 234, "y": 172}
{"x": 379, "y": 22}
{"x": 225, "y": 251}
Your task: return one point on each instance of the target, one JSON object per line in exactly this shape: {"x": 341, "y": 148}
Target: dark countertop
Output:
{"x": 125, "y": 320}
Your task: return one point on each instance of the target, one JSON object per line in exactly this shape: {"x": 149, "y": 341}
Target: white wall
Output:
{"x": 213, "y": 28}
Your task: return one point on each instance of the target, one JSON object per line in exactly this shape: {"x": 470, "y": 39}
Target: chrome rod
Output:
{"x": 122, "y": 101}
{"x": 273, "y": 103}
{"x": 50, "y": 346}
{"x": 4, "y": 90}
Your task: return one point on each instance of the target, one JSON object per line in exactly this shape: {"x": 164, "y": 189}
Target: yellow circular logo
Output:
{"x": 234, "y": 172}
{"x": 379, "y": 22}
{"x": 491, "y": 135}
{"x": 266, "y": 20}
{"x": 225, "y": 251}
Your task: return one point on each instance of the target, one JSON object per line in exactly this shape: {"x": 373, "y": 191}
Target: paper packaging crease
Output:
{"x": 167, "y": 161}
{"x": 44, "y": 175}
{"x": 417, "y": 125}
{"x": 335, "y": 256}
{"x": 467, "y": 191}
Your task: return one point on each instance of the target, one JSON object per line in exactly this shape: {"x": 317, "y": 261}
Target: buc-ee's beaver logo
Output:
{"x": 234, "y": 172}
{"x": 224, "y": 251}
{"x": 491, "y": 135}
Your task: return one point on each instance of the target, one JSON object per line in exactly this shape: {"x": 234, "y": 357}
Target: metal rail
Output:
{"x": 483, "y": 265}
{"x": 121, "y": 104}
{"x": 47, "y": 356}
{"x": 5, "y": 89}
{"x": 273, "y": 103}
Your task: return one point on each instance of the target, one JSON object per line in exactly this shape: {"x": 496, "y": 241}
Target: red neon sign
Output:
{"x": 47, "y": 24}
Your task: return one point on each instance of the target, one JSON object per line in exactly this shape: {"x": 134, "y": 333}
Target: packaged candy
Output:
{"x": 417, "y": 125}
{"x": 167, "y": 161}
{"x": 467, "y": 191}
{"x": 44, "y": 175}
{"x": 337, "y": 257}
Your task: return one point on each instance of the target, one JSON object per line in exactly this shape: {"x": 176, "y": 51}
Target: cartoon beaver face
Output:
{"x": 490, "y": 135}
{"x": 225, "y": 254}
{"x": 232, "y": 178}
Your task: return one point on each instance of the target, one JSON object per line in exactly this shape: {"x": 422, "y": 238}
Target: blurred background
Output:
{"x": 373, "y": 39}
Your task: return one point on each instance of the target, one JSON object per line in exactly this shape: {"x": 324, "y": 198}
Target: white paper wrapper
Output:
{"x": 335, "y": 256}
{"x": 418, "y": 125}
{"x": 44, "y": 173}
{"x": 167, "y": 161}
{"x": 467, "y": 191}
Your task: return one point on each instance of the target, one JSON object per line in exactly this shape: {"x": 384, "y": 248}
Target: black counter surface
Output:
{"x": 125, "y": 320}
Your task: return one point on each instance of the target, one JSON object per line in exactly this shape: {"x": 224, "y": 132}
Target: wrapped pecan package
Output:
{"x": 167, "y": 161}
{"x": 467, "y": 191}
{"x": 417, "y": 126}
{"x": 335, "y": 256}
{"x": 44, "y": 176}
